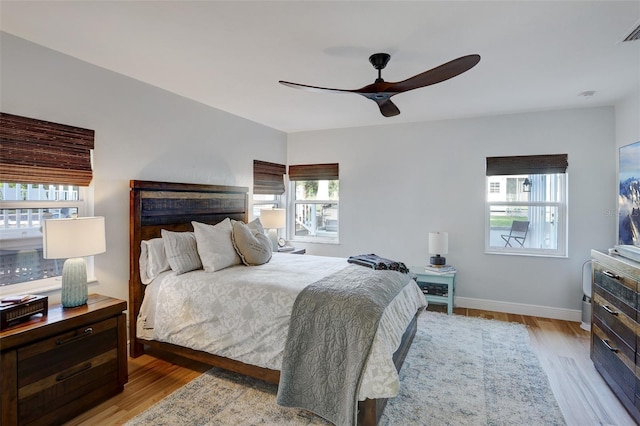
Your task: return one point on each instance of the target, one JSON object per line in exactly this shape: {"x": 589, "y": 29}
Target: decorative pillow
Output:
{"x": 153, "y": 259}
{"x": 181, "y": 250}
{"x": 253, "y": 246}
{"x": 214, "y": 245}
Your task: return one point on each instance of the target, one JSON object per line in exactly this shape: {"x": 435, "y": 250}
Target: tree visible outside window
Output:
{"x": 539, "y": 208}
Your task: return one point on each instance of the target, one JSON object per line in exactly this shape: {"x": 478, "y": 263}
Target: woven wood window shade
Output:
{"x": 37, "y": 151}
{"x": 314, "y": 172}
{"x": 527, "y": 165}
{"x": 267, "y": 177}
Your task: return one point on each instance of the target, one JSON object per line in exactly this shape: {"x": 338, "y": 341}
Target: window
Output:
{"x": 264, "y": 202}
{"x": 268, "y": 185}
{"x": 24, "y": 207}
{"x": 45, "y": 172}
{"x": 526, "y": 205}
{"x": 315, "y": 189}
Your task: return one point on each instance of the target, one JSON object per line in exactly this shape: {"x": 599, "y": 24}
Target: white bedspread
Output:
{"x": 243, "y": 313}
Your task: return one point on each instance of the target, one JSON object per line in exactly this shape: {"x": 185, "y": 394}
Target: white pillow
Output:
{"x": 215, "y": 246}
{"x": 153, "y": 259}
{"x": 253, "y": 246}
{"x": 181, "y": 250}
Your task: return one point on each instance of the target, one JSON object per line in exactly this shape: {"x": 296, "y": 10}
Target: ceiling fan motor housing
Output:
{"x": 379, "y": 60}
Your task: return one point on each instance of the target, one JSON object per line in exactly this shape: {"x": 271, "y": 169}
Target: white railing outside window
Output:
{"x": 23, "y": 208}
{"x": 316, "y": 207}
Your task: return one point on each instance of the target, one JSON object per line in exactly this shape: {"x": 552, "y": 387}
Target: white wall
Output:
{"x": 398, "y": 182}
{"x": 142, "y": 132}
{"x": 628, "y": 119}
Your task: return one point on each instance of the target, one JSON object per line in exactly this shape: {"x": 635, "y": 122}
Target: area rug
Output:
{"x": 459, "y": 371}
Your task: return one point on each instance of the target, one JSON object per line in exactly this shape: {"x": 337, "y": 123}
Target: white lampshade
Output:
{"x": 72, "y": 239}
{"x": 438, "y": 242}
{"x": 273, "y": 218}
{"x": 69, "y": 238}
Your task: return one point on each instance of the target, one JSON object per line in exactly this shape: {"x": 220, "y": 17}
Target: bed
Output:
{"x": 158, "y": 206}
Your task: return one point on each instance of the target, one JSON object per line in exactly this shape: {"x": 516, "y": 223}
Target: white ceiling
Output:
{"x": 230, "y": 55}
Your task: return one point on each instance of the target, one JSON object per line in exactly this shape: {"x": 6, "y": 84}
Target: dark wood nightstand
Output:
{"x": 57, "y": 366}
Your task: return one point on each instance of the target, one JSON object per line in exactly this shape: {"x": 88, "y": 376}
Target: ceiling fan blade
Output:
{"x": 313, "y": 88}
{"x": 435, "y": 75}
{"x": 387, "y": 108}
{"x": 381, "y": 91}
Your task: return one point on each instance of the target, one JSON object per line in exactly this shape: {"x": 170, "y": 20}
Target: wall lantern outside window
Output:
{"x": 526, "y": 185}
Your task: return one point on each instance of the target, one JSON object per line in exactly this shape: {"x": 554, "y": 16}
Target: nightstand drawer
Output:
{"x": 90, "y": 381}
{"x": 79, "y": 364}
{"x": 65, "y": 350}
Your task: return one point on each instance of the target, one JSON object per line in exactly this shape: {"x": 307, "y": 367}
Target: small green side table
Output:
{"x": 425, "y": 278}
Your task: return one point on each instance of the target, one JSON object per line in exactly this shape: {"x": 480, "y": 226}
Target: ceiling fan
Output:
{"x": 381, "y": 91}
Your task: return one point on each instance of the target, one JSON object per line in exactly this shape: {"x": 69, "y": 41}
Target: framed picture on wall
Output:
{"x": 629, "y": 196}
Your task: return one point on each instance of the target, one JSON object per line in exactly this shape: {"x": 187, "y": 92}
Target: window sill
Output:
{"x": 314, "y": 241}
{"x": 527, "y": 254}
{"x": 41, "y": 287}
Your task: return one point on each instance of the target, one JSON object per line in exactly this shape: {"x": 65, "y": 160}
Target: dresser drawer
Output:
{"x": 614, "y": 322}
{"x": 619, "y": 290}
{"x": 617, "y": 370}
{"x": 79, "y": 364}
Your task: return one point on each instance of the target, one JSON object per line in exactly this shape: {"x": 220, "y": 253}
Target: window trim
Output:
{"x": 562, "y": 222}
{"x": 311, "y": 239}
{"x": 311, "y": 172}
{"x": 48, "y": 285}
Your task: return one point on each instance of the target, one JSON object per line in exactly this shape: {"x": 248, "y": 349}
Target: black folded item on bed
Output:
{"x": 377, "y": 262}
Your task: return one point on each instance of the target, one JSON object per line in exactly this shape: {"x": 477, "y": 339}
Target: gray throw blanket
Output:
{"x": 331, "y": 332}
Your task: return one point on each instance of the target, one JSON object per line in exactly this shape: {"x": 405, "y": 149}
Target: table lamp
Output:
{"x": 71, "y": 239}
{"x": 438, "y": 244}
{"x": 273, "y": 219}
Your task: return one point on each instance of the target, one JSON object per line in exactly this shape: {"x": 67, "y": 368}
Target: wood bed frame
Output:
{"x": 163, "y": 205}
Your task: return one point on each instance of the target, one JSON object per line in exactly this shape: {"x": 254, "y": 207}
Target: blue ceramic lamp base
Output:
{"x": 74, "y": 283}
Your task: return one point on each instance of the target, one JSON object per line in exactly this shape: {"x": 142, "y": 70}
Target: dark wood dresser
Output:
{"x": 57, "y": 366}
{"x": 615, "y": 325}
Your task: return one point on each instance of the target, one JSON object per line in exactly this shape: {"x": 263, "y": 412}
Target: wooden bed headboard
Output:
{"x": 154, "y": 206}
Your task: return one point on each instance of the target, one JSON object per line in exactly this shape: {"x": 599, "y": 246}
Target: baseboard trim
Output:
{"x": 519, "y": 308}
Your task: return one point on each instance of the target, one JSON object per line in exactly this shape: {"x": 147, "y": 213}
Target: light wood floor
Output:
{"x": 563, "y": 349}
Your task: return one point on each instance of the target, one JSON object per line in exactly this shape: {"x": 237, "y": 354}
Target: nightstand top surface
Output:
{"x": 420, "y": 270}
{"x": 97, "y": 307}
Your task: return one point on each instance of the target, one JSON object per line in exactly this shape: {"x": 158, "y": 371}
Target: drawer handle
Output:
{"x": 87, "y": 332}
{"x": 608, "y": 309}
{"x": 61, "y": 377}
{"x": 611, "y": 348}
{"x": 611, "y": 275}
